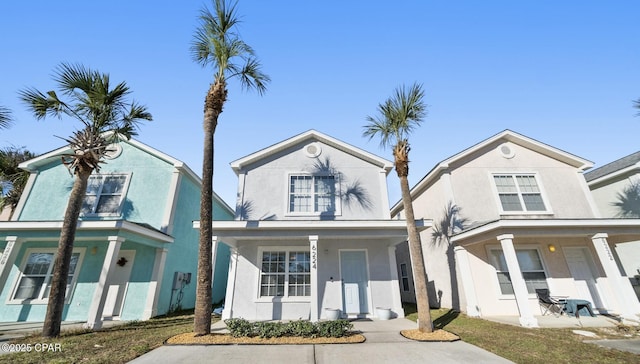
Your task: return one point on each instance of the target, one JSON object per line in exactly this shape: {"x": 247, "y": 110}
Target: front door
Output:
{"x": 355, "y": 281}
{"x": 583, "y": 271}
{"x": 118, "y": 283}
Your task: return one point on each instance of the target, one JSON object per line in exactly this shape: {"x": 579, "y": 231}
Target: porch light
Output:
{"x": 552, "y": 248}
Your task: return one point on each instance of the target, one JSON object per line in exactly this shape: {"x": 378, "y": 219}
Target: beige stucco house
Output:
{"x": 531, "y": 223}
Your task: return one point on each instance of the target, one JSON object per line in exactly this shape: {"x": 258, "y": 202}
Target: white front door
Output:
{"x": 118, "y": 283}
{"x": 355, "y": 281}
{"x": 583, "y": 271}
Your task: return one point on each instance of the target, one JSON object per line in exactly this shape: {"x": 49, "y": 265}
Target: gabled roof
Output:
{"x": 241, "y": 163}
{"x": 32, "y": 165}
{"x": 506, "y": 135}
{"x": 614, "y": 168}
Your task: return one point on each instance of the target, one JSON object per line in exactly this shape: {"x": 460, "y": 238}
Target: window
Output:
{"x": 312, "y": 194}
{"x": 530, "y": 265}
{"x": 404, "y": 276}
{"x": 285, "y": 274}
{"x": 104, "y": 194}
{"x": 34, "y": 282}
{"x": 519, "y": 192}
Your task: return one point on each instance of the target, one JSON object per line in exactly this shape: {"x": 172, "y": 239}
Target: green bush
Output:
{"x": 239, "y": 327}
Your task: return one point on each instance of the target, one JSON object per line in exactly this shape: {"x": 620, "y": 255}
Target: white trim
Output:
{"x": 337, "y": 200}
{"x": 11, "y": 300}
{"x": 369, "y": 296}
{"x": 153, "y": 293}
{"x": 123, "y": 194}
{"x": 94, "y": 317}
{"x": 171, "y": 203}
{"x": 614, "y": 174}
{"x": 517, "y": 247}
{"x": 33, "y": 176}
{"x": 287, "y": 250}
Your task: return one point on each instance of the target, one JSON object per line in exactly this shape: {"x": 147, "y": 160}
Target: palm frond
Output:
{"x": 6, "y": 119}
{"x": 636, "y": 104}
{"x": 628, "y": 201}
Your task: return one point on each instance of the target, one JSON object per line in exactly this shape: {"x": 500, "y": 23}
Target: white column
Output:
{"x": 395, "y": 285}
{"x": 214, "y": 251}
{"x": 151, "y": 307}
{"x": 227, "y": 312}
{"x": 466, "y": 280}
{"x": 8, "y": 258}
{"x": 94, "y": 321}
{"x": 313, "y": 246}
{"x": 628, "y": 306}
{"x": 517, "y": 281}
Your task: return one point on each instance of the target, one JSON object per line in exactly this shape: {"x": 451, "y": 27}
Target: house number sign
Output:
{"x": 607, "y": 249}
{"x": 6, "y": 253}
{"x": 314, "y": 256}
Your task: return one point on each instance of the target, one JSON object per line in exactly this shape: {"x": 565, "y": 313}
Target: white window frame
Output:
{"x": 125, "y": 187}
{"x": 48, "y": 276}
{"x": 494, "y": 265}
{"x": 287, "y": 250}
{"x": 536, "y": 176}
{"x": 336, "y": 198}
{"x": 404, "y": 276}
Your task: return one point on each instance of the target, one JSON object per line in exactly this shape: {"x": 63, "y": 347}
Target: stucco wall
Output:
{"x": 605, "y": 194}
{"x": 266, "y": 184}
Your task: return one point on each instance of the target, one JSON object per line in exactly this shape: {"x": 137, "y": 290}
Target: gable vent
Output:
{"x": 507, "y": 151}
{"x": 312, "y": 150}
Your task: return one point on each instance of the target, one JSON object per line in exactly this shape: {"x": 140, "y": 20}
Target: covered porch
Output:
{"x": 351, "y": 268}
{"x": 502, "y": 262}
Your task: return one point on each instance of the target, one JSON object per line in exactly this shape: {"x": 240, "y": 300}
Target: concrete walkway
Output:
{"x": 384, "y": 344}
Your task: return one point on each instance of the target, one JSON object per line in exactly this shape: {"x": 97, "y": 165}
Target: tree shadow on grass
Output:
{"x": 445, "y": 319}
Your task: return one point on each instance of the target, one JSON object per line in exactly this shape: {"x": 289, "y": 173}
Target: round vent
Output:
{"x": 313, "y": 150}
{"x": 113, "y": 151}
{"x": 507, "y": 151}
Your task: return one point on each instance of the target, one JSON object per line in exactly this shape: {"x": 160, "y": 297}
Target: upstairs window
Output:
{"x": 104, "y": 195}
{"x": 312, "y": 194}
{"x": 519, "y": 192}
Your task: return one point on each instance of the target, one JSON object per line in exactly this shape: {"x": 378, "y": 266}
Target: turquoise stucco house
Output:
{"x": 135, "y": 253}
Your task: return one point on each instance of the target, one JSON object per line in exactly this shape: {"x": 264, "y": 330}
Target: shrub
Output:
{"x": 239, "y": 327}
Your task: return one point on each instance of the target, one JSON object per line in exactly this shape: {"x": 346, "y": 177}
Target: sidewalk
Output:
{"x": 384, "y": 344}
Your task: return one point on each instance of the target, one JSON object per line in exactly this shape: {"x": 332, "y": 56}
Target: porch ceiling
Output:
{"x": 232, "y": 231}
{"x": 617, "y": 229}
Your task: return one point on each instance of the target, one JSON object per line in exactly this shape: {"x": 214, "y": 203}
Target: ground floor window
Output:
{"x": 285, "y": 273}
{"x": 404, "y": 276}
{"x": 530, "y": 264}
{"x": 34, "y": 282}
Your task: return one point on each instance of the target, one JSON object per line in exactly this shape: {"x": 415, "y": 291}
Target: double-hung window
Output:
{"x": 530, "y": 265}
{"x": 34, "y": 282}
{"x": 285, "y": 274}
{"x": 519, "y": 192}
{"x": 104, "y": 195}
{"x": 312, "y": 194}
{"x": 404, "y": 276}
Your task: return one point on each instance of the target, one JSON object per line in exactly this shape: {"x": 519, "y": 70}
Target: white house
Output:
{"x": 532, "y": 223}
{"x": 312, "y": 233}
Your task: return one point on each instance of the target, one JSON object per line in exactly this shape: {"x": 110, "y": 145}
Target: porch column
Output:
{"x": 9, "y": 256}
{"x": 313, "y": 246}
{"x": 627, "y": 303}
{"x": 396, "y": 300}
{"x": 466, "y": 279}
{"x": 214, "y": 251}
{"x": 94, "y": 321}
{"x": 151, "y": 307}
{"x": 517, "y": 281}
{"x": 227, "y": 312}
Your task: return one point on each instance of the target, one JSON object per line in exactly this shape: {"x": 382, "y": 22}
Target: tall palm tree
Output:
{"x": 216, "y": 43}
{"x": 451, "y": 223}
{"x": 628, "y": 201}
{"x": 5, "y": 117}
{"x": 106, "y": 115}
{"x": 398, "y": 116}
{"x": 12, "y": 178}
{"x": 636, "y": 104}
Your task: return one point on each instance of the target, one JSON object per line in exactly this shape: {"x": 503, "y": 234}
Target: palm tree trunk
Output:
{"x": 202, "y": 314}
{"x": 61, "y": 264}
{"x": 401, "y": 158}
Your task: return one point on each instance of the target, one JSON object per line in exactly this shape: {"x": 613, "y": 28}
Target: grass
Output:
{"x": 124, "y": 343}
{"x": 522, "y": 345}
{"x": 118, "y": 344}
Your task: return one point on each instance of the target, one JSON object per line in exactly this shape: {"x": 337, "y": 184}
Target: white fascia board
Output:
{"x": 613, "y": 175}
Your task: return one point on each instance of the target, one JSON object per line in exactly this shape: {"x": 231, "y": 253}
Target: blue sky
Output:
{"x": 562, "y": 72}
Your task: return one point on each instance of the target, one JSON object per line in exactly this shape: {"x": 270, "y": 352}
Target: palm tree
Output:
{"x": 398, "y": 116}
{"x": 216, "y": 43}
{"x": 5, "y": 117}
{"x": 12, "y": 178}
{"x": 451, "y": 223}
{"x": 636, "y": 104}
{"x": 628, "y": 202}
{"x": 106, "y": 116}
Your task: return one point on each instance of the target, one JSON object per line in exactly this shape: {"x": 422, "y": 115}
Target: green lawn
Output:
{"x": 121, "y": 344}
{"x": 522, "y": 345}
